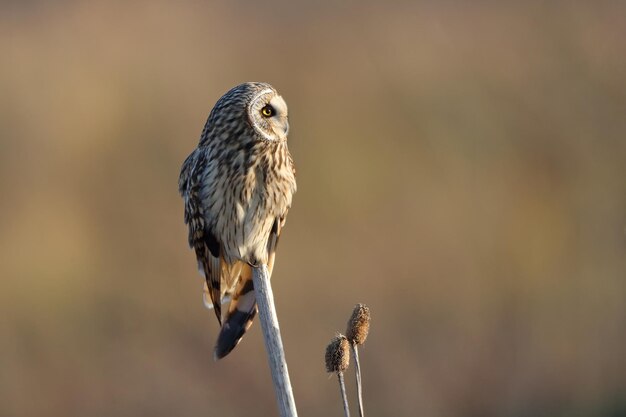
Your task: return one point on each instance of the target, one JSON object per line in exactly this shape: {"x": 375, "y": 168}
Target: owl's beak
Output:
{"x": 282, "y": 128}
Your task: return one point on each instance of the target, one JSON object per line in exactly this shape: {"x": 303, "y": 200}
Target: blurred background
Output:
{"x": 461, "y": 170}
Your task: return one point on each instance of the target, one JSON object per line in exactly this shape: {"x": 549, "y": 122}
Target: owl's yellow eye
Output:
{"x": 268, "y": 111}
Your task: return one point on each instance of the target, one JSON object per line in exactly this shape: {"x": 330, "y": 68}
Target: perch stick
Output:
{"x": 273, "y": 342}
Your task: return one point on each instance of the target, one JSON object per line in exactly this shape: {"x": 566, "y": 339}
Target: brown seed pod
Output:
{"x": 338, "y": 354}
{"x": 359, "y": 324}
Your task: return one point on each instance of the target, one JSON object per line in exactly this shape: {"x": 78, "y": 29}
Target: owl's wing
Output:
{"x": 243, "y": 308}
{"x": 201, "y": 238}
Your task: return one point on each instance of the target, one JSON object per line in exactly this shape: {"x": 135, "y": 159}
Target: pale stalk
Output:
{"x": 273, "y": 342}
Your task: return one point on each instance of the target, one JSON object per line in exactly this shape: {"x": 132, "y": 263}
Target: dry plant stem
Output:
{"x": 344, "y": 397}
{"x": 273, "y": 342}
{"x": 359, "y": 387}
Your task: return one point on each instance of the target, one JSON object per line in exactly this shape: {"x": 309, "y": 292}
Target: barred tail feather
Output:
{"x": 241, "y": 312}
{"x": 243, "y": 308}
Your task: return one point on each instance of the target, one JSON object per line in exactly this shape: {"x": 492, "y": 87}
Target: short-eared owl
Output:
{"x": 237, "y": 186}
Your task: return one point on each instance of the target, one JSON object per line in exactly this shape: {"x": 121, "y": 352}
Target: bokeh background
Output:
{"x": 461, "y": 170}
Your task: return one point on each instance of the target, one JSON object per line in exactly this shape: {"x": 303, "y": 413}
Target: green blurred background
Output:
{"x": 461, "y": 170}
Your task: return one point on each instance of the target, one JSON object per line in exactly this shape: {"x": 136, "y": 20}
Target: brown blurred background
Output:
{"x": 461, "y": 168}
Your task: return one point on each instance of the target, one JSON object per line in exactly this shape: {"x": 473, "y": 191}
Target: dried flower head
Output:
{"x": 359, "y": 324}
{"x": 338, "y": 354}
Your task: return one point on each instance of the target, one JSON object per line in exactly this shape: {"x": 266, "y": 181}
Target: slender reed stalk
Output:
{"x": 358, "y": 329}
{"x": 273, "y": 342}
{"x": 344, "y": 397}
{"x": 359, "y": 386}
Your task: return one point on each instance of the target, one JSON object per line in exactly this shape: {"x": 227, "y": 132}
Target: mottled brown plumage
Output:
{"x": 238, "y": 186}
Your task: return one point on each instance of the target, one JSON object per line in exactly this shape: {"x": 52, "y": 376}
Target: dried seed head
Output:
{"x": 338, "y": 354}
{"x": 359, "y": 324}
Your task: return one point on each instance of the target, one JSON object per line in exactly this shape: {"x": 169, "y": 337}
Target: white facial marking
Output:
{"x": 253, "y": 119}
{"x": 277, "y": 124}
{"x": 279, "y": 104}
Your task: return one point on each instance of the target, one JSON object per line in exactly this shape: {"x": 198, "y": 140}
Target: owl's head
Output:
{"x": 267, "y": 113}
{"x": 249, "y": 109}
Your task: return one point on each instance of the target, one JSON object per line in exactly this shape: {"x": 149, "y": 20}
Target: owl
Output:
{"x": 237, "y": 186}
